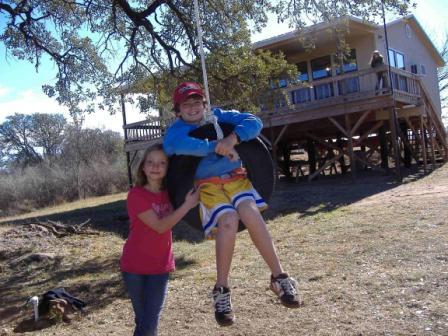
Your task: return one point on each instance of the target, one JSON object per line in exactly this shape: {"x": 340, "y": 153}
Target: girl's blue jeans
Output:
{"x": 147, "y": 294}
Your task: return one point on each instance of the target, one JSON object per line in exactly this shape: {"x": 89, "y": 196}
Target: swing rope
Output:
{"x": 209, "y": 116}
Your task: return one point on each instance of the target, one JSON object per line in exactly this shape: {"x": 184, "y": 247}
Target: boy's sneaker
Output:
{"x": 223, "y": 306}
{"x": 286, "y": 289}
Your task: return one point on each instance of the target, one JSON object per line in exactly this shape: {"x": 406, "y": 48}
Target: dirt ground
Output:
{"x": 371, "y": 258}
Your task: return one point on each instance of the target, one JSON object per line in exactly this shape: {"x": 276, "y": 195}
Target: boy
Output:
{"x": 226, "y": 195}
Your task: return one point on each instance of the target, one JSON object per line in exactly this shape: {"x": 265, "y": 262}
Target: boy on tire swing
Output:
{"x": 226, "y": 195}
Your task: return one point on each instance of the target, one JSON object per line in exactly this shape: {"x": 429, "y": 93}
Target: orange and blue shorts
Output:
{"x": 222, "y": 194}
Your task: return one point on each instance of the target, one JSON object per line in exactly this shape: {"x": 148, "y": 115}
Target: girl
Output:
{"x": 147, "y": 254}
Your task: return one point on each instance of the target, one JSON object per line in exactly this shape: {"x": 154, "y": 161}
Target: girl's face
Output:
{"x": 155, "y": 166}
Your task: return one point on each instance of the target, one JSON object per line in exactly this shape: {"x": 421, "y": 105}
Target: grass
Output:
{"x": 371, "y": 259}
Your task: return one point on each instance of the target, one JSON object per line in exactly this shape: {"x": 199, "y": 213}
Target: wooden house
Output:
{"x": 341, "y": 114}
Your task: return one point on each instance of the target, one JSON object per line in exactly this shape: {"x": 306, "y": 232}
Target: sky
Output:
{"x": 21, "y": 85}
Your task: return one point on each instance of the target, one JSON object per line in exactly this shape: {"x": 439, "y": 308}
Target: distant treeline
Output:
{"x": 45, "y": 161}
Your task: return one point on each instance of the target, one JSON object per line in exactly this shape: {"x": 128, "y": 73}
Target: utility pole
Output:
{"x": 394, "y": 120}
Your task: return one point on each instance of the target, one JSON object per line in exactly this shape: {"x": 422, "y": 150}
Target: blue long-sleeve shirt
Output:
{"x": 177, "y": 141}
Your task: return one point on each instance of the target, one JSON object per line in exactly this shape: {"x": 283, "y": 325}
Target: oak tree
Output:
{"x": 98, "y": 45}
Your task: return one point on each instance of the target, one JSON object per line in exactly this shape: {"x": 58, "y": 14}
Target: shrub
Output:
{"x": 44, "y": 185}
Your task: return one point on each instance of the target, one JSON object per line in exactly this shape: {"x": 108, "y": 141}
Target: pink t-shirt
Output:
{"x": 146, "y": 251}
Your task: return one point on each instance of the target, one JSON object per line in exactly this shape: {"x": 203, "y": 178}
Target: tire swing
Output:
{"x": 182, "y": 168}
{"x": 254, "y": 155}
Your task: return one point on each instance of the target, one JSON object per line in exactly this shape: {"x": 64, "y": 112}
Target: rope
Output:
{"x": 209, "y": 116}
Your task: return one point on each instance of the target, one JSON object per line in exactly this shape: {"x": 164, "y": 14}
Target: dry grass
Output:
{"x": 371, "y": 259}
{"x": 65, "y": 207}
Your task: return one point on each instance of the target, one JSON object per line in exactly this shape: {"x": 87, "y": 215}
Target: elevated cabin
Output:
{"x": 338, "y": 116}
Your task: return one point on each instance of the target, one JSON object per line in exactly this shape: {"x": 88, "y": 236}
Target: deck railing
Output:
{"x": 146, "y": 130}
{"x": 342, "y": 88}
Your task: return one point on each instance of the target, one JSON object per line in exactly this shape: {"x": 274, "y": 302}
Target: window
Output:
{"x": 280, "y": 101}
{"x": 348, "y": 85}
{"x": 349, "y": 63}
{"x": 392, "y": 58}
{"x": 423, "y": 69}
{"x": 321, "y": 67}
{"x": 400, "y": 60}
{"x": 418, "y": 69}
{"x": 302, "y": 68}
{"x": 396, "y": 59}
{"x": 300, "y": 96}
{"x": 282, "y": 83}
{"x": 323, "y": 91}
{"x": 408, "y": 30}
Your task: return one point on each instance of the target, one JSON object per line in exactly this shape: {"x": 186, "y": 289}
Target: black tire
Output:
{"x": 182, "y": 168}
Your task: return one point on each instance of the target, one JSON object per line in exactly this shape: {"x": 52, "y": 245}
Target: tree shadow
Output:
{"x": 307, "y": 198}
{"x": 108, "y": 217}
{"x": 330, "y": 192}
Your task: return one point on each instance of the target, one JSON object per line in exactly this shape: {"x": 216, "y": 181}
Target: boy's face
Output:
{"x": 192, "y": 110}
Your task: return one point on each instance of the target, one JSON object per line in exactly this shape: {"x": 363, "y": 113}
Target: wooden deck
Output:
{"x": 141, "y": 134}
{"x": 406, "y": 92}
{"x": 347, "y": 106}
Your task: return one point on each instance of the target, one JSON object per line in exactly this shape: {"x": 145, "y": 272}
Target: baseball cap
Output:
{"x": 185, "y": 90}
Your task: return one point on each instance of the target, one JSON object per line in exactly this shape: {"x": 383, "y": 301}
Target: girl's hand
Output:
{"x": 192, "y": 198}
{"x": 225, "y": 146}
{"x": 233, "y": 155}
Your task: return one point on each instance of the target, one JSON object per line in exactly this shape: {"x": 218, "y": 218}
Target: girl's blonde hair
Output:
{"x": 140, "y": 176}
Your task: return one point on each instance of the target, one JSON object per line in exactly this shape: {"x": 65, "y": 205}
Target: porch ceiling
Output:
{"x": 317, "y": 36}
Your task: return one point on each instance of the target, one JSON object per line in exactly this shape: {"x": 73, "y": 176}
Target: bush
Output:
{"x": 44, "y": 185}
{"x": 6, "y": 195}
{"x": 103, "y": 178}
{"x": 78, "y": 163}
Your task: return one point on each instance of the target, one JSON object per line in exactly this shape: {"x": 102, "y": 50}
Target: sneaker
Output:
{"x": 223, "y": 306}
{"x": 286, "y": 289}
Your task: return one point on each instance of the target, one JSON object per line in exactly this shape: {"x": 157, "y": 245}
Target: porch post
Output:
{"x": 406, "y": 145}
{"x": 311, "y": 150}
{"x": 384, "y": 148}
{"x": 423, "y": 145}
{"x": 431, "y": 143}
{"x": 340, "y": 144}
{"x": 273, "y": 149}
{"x": 348, "y": 127}
{"x": 394, "y": 135}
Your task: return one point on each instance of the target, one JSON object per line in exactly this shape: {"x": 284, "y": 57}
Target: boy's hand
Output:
{"x": 225, "y": 146}
{"x": 192, "y": 198}
{"x": 233, "y": 155}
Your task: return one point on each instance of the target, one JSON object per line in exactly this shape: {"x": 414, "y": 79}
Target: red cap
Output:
{"x": 185, "y": 90}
